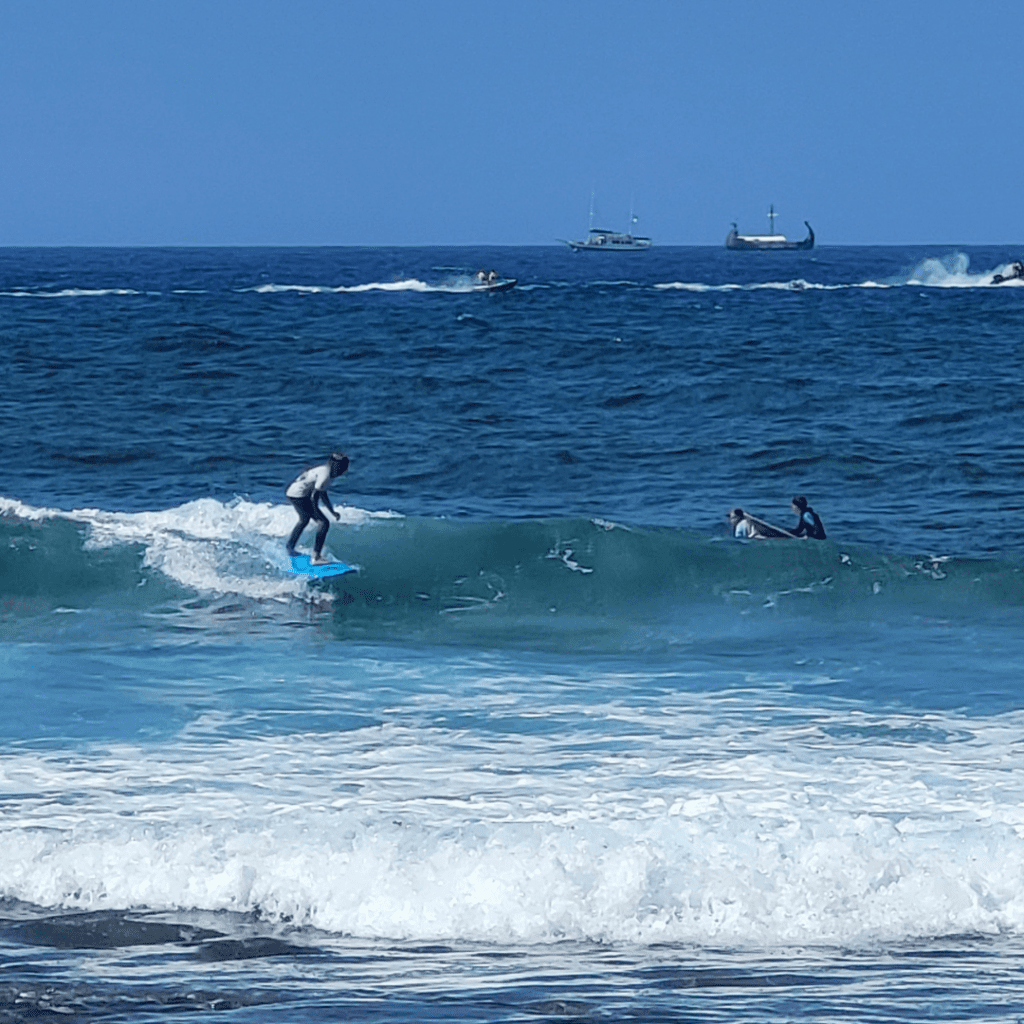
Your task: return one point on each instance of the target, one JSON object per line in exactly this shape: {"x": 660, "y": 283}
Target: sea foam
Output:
{"x": 235, "y": 547}
{"x": 827, "y": 832}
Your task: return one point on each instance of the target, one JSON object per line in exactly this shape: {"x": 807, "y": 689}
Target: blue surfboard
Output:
{"x": 302, "y": 566}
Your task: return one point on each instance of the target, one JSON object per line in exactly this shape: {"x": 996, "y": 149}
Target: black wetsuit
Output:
{"x": 305, "y": 493}
{"x": 308, "y": 509}
{"x": 809, "y": 525}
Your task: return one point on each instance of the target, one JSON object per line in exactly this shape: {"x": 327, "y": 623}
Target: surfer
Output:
{"x": 745, "y": 527}
{"x": 306, "y": 492}
{"x": 808, "y": 525}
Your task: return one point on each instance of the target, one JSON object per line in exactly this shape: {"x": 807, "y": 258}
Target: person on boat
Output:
{"x": 745, "y": 527}
{"x": 808, "y": 524}
{"x": 305, "y": 493}
{"x": 1014, "y": 272}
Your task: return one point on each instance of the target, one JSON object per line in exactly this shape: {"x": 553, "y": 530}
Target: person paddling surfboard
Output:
{"x": 809, "y": 524}
{"x": 305, "y": 493}
{"x": 748, "y": 527}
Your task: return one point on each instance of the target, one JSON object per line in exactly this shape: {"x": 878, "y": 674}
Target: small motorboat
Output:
{"x": 1014, "y": 272}
{"x": 489, "y": 281}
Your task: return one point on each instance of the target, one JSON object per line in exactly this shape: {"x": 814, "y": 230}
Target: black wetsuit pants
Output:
{"x": 307, "y": 510}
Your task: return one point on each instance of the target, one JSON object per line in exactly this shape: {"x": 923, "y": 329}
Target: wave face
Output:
{"x": 561, "y": 578}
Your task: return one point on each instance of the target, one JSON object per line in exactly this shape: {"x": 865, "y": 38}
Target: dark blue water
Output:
{"x": 596, "y": 387}
{"x": 561, "y": 748}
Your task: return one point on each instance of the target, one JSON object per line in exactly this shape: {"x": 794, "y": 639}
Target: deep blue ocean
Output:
{"x": 562, "y": 748}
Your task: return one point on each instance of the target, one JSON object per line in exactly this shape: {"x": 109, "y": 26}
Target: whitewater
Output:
{"x": 561, "y": 747}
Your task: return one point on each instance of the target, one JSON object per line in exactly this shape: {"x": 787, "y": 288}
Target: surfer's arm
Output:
{"x": 322, "y": 496}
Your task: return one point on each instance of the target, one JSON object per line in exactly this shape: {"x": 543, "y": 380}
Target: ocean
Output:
{"x": 562, "y": 748}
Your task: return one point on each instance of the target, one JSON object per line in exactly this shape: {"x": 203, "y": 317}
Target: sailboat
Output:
{"x": 603, "y": 240}
{"x": 734, "y": 240}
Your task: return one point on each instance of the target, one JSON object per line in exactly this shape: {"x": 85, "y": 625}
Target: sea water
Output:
{"x": 561, "y": 748}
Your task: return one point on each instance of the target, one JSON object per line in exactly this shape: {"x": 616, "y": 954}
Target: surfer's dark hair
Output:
{"x": 800, "y": 501}
{"x": 738, "y": 512}
{"x": 341, "y": 460}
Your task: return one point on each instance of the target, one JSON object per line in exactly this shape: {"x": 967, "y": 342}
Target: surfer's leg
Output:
{"x": 321, "y": 531}
{"x": 305, "y": 510}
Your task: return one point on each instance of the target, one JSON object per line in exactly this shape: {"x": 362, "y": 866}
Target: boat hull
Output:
{"x": 502, "y": 285}
{"x": 734, "y": 240}
{"x": 609, "y": 241}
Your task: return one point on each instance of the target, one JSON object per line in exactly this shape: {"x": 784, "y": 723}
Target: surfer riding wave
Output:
{"x": 305, "y": 493}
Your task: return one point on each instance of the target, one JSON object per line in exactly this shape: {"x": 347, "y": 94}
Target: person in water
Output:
{"x": 306, "y": 492}
{"x": 744, "y": 527}
{"x": 808, "y": 525}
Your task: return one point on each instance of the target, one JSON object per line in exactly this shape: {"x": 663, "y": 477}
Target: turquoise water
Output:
{"x": 561, "y": 747}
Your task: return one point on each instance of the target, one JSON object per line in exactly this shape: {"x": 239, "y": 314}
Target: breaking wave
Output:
{"x": 700, "y": 819}
{"x": 546, "y": 578}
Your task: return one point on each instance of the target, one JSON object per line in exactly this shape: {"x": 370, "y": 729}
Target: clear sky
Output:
{"x": 417, "y": 122}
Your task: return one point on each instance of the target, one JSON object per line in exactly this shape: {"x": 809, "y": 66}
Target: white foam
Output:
{"x": 708, "y": 823}
{"x": 409, "y": 285}
{"x": 947, "y": 272}
{"x": 796, "y": 285}
{"x": 207, "y": 545}
{"x": 69, "y": 293}
{"x": 952, "y": 272}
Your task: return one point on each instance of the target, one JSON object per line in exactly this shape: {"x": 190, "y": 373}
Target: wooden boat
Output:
{"x": 734, "y": 240}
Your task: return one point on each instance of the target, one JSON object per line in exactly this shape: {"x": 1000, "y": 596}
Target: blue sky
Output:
{"x": 300, "y": 122}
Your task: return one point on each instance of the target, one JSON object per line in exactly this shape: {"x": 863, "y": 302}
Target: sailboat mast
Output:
{"x": 771, "y": 219}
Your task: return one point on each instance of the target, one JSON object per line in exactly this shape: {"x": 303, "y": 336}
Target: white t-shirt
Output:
{"x": 316, "y": 479}
{"x": 745, "y": 528}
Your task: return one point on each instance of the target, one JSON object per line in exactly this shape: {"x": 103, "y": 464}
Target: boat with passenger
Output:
{"x": 734, "y": 240}
{"x": 1013, "y": 272}
{"x": 491, "y": 281}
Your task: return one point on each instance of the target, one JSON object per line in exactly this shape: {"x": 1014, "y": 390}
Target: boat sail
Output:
{"x": 734, "y": 240}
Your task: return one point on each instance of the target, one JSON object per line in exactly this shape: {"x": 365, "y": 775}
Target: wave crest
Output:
{"x": 590, "y": 579}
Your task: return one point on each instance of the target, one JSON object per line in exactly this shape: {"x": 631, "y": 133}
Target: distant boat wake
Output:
{"x": 946, "y": 272}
